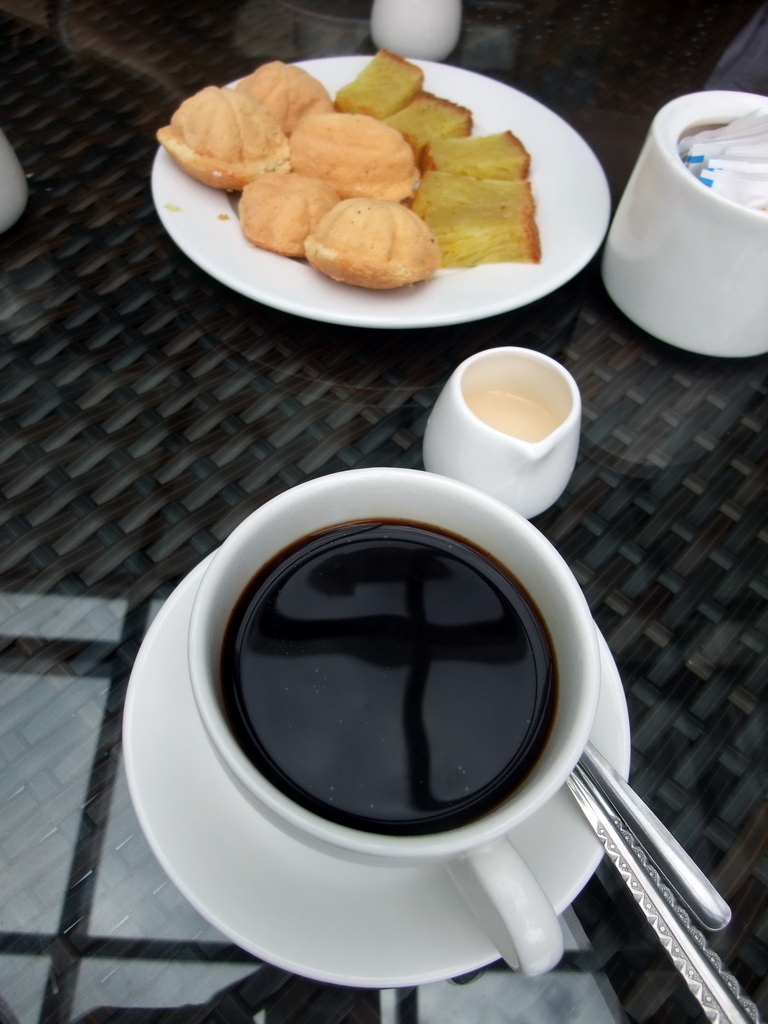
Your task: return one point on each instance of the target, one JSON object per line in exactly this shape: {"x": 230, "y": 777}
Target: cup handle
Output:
{"x": 510, "y": 905}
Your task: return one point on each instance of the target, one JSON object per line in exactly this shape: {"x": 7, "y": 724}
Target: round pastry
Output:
{"x": 289, "y": 93}
{"x": 355, "y": 153}
{"x": 278, "y": 211}
{"x": 225, "y": 139}
{"x": 373, "y": 243}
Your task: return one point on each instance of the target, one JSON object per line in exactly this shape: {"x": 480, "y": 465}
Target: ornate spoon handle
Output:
{"x": 716, "y": 990}
{"x": 683, "y": 875}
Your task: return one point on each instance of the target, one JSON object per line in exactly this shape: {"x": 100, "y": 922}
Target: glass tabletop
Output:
{"x": 146, "y": 409}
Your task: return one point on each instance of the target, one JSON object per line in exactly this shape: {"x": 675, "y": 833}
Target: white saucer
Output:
{"x": 312, "y": 914}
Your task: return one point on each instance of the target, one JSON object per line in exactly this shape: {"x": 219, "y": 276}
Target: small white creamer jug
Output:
{"x": 507, "y": 422}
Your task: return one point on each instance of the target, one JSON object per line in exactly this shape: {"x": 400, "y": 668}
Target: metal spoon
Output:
{"x": 690, "y": 884}
{"x": 707, "y": 977}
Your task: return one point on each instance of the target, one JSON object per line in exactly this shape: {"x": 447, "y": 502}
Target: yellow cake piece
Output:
{"x": 479, "y": 221}
{"x": 429, "y": 117}
{"x": 385, "y": 85}
{"x": 501, "y": 156}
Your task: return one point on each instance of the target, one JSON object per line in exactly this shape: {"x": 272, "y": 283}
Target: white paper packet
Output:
{"x": 732, "y": 160}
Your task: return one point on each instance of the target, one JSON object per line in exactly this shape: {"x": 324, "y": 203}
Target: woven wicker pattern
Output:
{"x": 145, "y": 410}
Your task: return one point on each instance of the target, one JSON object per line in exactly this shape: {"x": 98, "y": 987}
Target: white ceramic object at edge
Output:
{"x": 498, "y": 886}
{"x": 422, "y": 29}
{"x": 685, "y": 264}
{"x": 13, "y": 185}
{"x": 528, "y": 476}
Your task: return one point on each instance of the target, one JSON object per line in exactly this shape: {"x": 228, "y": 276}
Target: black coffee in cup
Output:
{"x": 390, "y": 677}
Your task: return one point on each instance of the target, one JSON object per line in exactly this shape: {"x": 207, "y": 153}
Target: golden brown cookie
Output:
{"x": 225, "y": 139}
{"x": 373, "y": 243}
{"x": 278, "y": 211}
{"x": 288, "y": 92}
{"x": 356, "y": 154}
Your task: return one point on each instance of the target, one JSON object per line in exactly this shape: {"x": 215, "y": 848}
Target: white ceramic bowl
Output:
{"x": 684, "y": 263}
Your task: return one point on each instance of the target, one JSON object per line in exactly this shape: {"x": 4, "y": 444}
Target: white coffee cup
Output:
{"x": 498, "y": 886}
{"x": 13, "y": 185}
{"x": 529, "y": 470}
{"x": 684, "y": 263}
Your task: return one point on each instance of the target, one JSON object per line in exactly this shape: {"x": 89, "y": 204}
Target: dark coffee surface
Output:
{"x": 389, "y": 677}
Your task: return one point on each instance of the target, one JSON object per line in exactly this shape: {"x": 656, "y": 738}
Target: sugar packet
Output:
{"x": 732, "y": 160}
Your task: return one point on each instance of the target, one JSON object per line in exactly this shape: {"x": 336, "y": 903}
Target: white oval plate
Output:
{"x": 570, "y": 188}
{"x": 311, "y": 913}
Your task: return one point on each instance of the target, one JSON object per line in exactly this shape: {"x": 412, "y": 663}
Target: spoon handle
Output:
{"x": 690, "y": 884}
{"x": 716, "y": 990}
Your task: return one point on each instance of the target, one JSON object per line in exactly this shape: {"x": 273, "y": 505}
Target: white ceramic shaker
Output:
{"x": 423, "y": 29}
